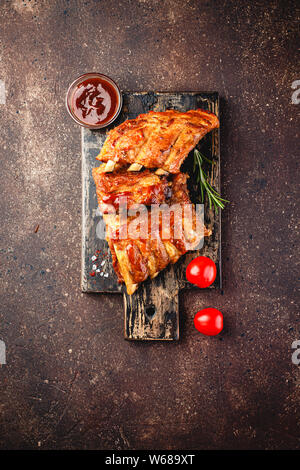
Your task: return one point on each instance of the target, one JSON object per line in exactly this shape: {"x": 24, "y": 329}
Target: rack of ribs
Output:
{"x": 140, "y": 242}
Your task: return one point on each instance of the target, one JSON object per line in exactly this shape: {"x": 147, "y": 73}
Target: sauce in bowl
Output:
{"x": 94, "y": 100}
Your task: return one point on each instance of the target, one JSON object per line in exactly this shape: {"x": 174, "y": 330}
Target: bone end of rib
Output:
{"x": 135, "y": 167}
{"x": 110, "y": 165}
{"x": 160, "y": 171}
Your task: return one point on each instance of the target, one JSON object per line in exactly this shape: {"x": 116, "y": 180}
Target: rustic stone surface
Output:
{"x": 71, "y": 381}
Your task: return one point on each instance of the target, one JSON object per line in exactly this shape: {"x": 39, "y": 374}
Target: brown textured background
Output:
{"x": 71, "y": 381}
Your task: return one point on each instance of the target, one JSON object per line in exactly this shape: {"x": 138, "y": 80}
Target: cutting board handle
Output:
{"x": 151, "y": 313}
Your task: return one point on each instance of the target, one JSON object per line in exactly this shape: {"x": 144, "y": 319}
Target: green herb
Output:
{"x": 214, "y": 198}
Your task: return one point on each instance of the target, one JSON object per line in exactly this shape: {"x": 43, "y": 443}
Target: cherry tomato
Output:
{"x": 201, "y": 271}
{"x": 209, "y": 321}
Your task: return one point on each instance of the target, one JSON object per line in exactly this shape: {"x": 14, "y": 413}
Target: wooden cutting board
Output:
{"x": 151, "y": 313}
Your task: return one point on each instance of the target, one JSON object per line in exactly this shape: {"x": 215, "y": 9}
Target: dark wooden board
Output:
{"x": 152, "y": 312}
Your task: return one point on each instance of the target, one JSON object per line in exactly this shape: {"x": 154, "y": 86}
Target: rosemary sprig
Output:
{"x": 214, "y": 198}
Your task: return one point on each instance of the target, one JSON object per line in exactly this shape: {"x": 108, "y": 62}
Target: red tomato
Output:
{"x": 209, "y": 321}
{"x": 201, "y": 271}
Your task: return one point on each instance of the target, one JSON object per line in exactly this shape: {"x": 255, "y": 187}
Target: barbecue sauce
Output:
{"x": 95, "y": 101}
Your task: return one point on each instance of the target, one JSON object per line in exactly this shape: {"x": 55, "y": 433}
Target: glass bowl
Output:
{"x": 74, "y": 86}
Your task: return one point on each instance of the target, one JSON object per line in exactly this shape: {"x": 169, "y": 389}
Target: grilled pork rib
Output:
{"x": 139, "y": 254}
{"x": 144, "y": 187}
{"x": 157, "y": 139}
